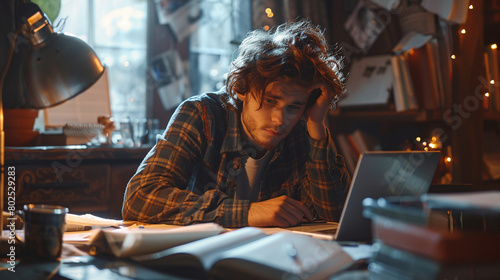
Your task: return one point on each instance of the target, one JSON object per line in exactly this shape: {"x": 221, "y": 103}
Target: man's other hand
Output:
{"x": 281, "y": 211}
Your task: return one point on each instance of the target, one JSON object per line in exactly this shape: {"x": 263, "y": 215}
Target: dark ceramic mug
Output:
{"x": 44, "y": 226}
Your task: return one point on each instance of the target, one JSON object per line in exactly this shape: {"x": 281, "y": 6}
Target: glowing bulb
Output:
{"x": 418, "y": 139}
{"x": 487, "y": 94}
{"x": 493, "y": 46}
{"x": 268, "y": 10}
{"x": 433, "y": 138}
{"x": 424, "y": 143}
{"x": 426, "y": 149}
{"x": 492, "y": 82}
{"x": 463, "y": 31}
{"x": 448, "y": 159}
{"x": 453, "y": 56}
{"x": 432, "y": 145}
{"x": 266, "y": 27}
{"x": 270, "y": 15}
{"x": 471, "y": 7}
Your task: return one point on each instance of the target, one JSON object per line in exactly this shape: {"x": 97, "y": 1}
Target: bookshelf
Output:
{"x": 459, "y": 119}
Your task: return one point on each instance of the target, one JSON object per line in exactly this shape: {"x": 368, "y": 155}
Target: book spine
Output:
{"x": 398, "y": 91}
{"x": 496, "y": 77}
{"x": 433, "y": 75}
{"x": 410, "y": 91}
{"x": 489, "y": 89}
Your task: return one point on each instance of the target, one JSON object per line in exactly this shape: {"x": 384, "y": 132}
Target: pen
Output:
{"x": 315, "y": 235}
{"x": 77, "y": 227}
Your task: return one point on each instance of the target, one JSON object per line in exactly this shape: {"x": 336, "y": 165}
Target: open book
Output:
{"x": 134, "y": 241}
{"x": 250, "y": 253}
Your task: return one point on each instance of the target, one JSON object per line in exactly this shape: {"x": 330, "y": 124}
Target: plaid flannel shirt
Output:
{"x": 189, "y": 175}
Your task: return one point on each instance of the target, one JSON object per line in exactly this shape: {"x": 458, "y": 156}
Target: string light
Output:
{"x": 471, "y": 7}
{"x": 269, "y": 12}
{"x": 493, "y": 46}
{"x": 418, "y": 139}
{"x": 266, "y": 27}
{"x": 463, "y": 31}
{"x": 448, "y": 159}
{"x": 453, "y": 56}
{"x": 492, "y": 82}
{"x": 487, "y": 94}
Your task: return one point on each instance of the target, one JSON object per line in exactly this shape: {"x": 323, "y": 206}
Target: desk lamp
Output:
{"x": 56, "y": 68}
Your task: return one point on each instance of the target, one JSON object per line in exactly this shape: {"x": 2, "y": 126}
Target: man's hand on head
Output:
{"x": 317, "y": 112}
{"x": 281, "y": 211}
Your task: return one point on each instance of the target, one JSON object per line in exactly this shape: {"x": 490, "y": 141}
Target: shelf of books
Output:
{"x": 438, "y": 75}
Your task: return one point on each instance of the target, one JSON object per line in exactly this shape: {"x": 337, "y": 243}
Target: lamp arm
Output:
{"x": 2, "y": 132}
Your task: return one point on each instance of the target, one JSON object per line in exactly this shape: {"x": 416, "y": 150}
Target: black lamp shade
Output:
{"x": 59, "y": 68}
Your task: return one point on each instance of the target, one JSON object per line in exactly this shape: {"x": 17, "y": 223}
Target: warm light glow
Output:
{"x": 268, "y": 10}
{"x": 492, "y": 82}
{"x": 418, "y": 139}
{"x": 487, "y": 94}
{"x": 266, "y": 27}
{"x": 463, "y": 31}
{"x": 424, "y": 143}
{"x": 270, "y": 15}
{"x": 432, "y": 145}
{"x": 493, "y": 46}
{"x": 471, "y": 7}
{"x": 426, "y": 149}
{"x": 453, "y": 56}
{"x": 434, "y": 139}
{"x": 448, "y": 159}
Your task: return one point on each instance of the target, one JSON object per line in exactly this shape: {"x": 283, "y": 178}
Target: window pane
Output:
{"x": 126, "y": 68}
{"x": 213, "y": 44}
{"x": 116, "y": 29}
{"x": 73, "y": 18}
{"x": 120, "y": 23}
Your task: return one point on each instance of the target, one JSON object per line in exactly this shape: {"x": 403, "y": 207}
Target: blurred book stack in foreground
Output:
{"x": 440, "y": 236}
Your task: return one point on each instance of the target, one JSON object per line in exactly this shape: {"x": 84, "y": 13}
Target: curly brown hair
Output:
{"x": 293, "y": 52}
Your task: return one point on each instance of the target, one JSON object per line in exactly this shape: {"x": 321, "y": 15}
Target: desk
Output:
{"x": 77, "y": 264}
{"x": 84, "y": 179}
{"x": 92, "y": 268}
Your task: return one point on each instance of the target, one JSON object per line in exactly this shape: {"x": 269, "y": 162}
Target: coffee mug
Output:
{"x": 44, "y": 226}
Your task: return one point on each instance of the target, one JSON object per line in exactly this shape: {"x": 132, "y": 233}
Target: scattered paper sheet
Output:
{"x": 90, "y": 220}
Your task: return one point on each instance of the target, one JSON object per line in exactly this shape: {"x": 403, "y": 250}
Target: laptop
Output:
{"x": 382, "y": 174}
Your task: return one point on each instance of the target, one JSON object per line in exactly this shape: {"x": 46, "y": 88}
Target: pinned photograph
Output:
{"x": 181, "y": 15}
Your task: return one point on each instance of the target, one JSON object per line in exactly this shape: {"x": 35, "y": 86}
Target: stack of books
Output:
{"x": 439, "y": 236}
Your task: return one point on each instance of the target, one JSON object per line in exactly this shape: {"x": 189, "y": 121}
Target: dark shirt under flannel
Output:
{"x": 190, "y": 175}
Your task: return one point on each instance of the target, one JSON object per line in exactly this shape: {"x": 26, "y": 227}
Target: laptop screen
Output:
{"x": 383, "y": 174}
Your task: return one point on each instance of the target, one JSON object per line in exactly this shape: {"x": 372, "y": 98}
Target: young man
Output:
{"x": 256, "y": 153}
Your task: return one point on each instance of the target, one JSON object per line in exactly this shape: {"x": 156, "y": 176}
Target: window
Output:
{"x": 116, "y": 29}
{"x": 222, "y": 27}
